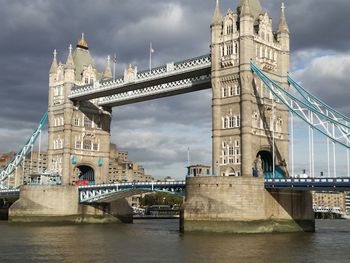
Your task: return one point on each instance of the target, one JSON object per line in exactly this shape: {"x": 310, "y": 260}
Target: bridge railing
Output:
{"x": 177, "y": 68}
{"x": 93, "y": 193}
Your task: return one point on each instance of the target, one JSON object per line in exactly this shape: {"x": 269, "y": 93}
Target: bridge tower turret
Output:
{"x": 216, "y": 31}
{"x": 79, "y": 135}
{"x": 250, "y": 132}
{"x": 250, "y": 128}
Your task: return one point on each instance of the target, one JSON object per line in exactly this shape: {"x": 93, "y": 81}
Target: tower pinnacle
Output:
{"x": 217, "y": 18}
{"x": 283, "y": 7}
{"x": 283, "y": 26}
{"x": 54, "y": 64}
{"x": 107, "y": 74}
{"x": 82, "y": 42}
{"x": 70, "y": 62}
{"x": 245, "y": 8}
{"x": 254, "y": 7}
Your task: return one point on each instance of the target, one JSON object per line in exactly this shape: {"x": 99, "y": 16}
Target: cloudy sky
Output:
{"x": 158, "y": 133}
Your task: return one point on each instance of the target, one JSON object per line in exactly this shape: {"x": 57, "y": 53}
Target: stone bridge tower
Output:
{"x": 249, "y": 126}
{"x": 79, "y": 135}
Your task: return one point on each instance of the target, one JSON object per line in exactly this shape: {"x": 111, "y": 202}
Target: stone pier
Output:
{"x": 61, "y": 204}
{"x": 243, "y": 205}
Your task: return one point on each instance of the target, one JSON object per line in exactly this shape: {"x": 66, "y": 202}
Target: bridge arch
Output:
{"x": 264, "y": 163}
{"x": 86, "y": 172}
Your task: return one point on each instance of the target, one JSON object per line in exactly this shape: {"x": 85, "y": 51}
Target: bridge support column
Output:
{"x": 61, "y": 204}
{"x": 243, "y": 205}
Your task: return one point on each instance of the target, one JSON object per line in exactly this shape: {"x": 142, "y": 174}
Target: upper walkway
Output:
{"x": 168, "y": 80}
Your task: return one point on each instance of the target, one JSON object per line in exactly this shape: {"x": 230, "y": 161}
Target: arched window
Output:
{"x": 87, "y": 122}
{"x": 225, "y": 123}
{"x": 238, "y": 90}
{"x": 224, "y": 92}
{"x": 232, "y": 122}
{"x": 238, "y": 121}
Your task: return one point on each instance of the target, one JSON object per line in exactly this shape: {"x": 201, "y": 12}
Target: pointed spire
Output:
{"x": 254, "y": 7}
{"x": 54, "y": 64}
{"x": 283, "y": 26}
{"x": 245, "y": 10}
{"x": 107, "y": 74}
{"x": 217, "y": 18}
{"x": 70, "y": 62}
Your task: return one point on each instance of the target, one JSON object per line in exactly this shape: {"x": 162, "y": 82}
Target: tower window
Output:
{"x": 225, "y": 123}
{"x": 95, "y": 146}
{"x": 236, "y": 143}
{"x": 76, "y": 122}
{"x": 229, "y": 49}
{"x": 238, "y": 90}
{"x": 232, "y": 122}
{"x": 87, "y": 145}
{"x": 78, "y": 144}
{"x": 231, "y": 91}
{"x": 224, "y": 91}
{"x": 238, "y": 121}
{"x": 87, "y": 123}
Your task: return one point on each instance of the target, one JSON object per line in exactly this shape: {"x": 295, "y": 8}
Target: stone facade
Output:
{"x": 243, "y": 205}
{"x": 59, "y": 204}
{"x": 246, "y": 118}
{"x": 198, "y": 170}
{"x": 79, "y": 135}
{"x": 250, "y": 132}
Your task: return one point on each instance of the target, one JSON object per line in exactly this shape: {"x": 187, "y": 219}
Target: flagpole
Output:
{"x": 114, "y": 63}
{"x": 150, "y": 57}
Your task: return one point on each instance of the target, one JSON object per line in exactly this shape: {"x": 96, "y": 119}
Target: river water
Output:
{"x": 159, "y": 241}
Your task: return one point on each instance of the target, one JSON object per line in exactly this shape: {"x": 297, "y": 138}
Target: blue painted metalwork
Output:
{"x": 17, "y": 160}
{"x": 93, "y": 193}
{"x": 326, "y": 184}
{"x": 304, "y": 108}
{"x": 308, "y": 95}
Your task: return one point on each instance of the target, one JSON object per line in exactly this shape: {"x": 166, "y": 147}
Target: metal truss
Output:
{"x": 97, "y": 193}
{"x": 166, "y": 71}
{"x": 17, "y": 160}
{"x": 310, "y": 109}
{"x": 156, "y": 91}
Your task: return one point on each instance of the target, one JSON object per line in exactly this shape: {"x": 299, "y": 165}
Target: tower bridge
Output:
{"x": 253, "y": 189}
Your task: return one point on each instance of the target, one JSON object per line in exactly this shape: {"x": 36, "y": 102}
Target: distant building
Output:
{"x": 347, "y": 202}
{"x": 31, "y": 164}
{"x": 120, "y": 168}
{"x": 329, "y": 200}
{"x": 198, "y": 170}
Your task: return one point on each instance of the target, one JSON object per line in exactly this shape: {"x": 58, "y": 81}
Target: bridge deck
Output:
{"x": 169, "y": 73}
